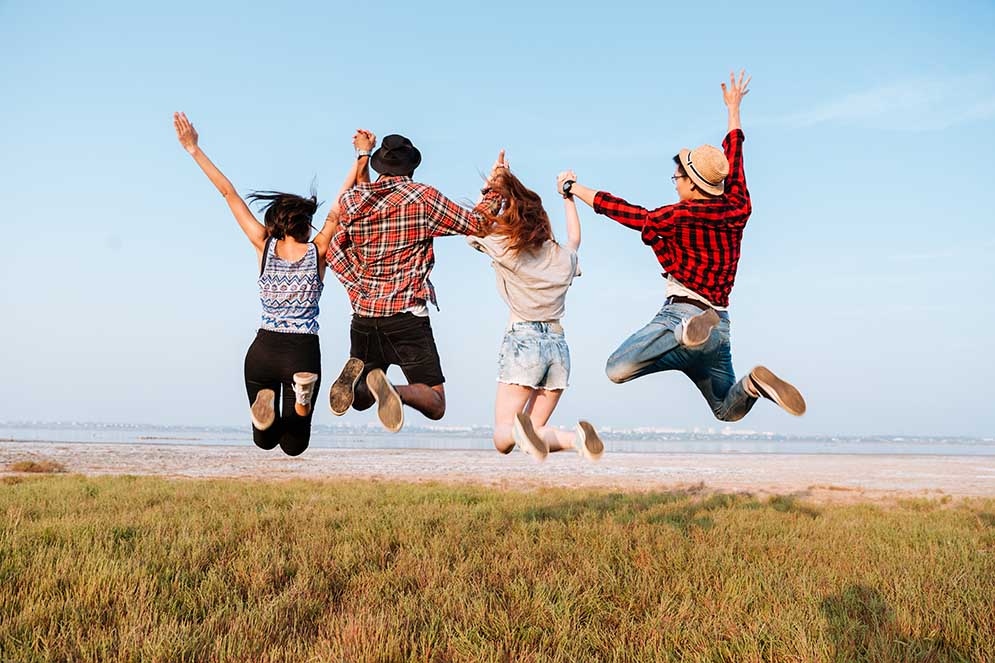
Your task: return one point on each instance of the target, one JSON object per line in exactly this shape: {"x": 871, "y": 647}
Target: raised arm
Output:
{"x": 363, "y": 141}
{"x": 733, "y": 96}
{"x": 570, "y": 208}
{"x": 448, "y": 218}
{"x": 188, "y": 138}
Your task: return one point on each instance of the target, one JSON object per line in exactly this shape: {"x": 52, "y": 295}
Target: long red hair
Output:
{"x": 518, "y": 215}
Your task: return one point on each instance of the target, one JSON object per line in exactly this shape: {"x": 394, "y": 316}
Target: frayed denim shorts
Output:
{"x": 535, "y": 354}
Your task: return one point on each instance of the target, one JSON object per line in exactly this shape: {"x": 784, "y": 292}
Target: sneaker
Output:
{"x": 343, "y": 390}
{"x": 390, "y": 409}
{"x": 781, "y": 392}
{"x": 262, "y": 410}
{"x": 695, "y": 331}
{"x": 588, "y": 443}
{"x": 527, "y": 439}
{"x": 303, "y": 390}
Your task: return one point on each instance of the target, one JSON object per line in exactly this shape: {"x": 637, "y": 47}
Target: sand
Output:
{"x": 836, "y": 478}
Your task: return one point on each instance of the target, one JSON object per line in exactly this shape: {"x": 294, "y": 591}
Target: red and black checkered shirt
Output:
{"x": 382, "y": 251}
{"x": 696, "y": 241}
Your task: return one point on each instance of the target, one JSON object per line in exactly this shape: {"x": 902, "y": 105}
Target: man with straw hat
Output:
{"x": 697, "y": 242}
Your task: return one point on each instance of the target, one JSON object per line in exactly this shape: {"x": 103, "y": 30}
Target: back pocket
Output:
{"x": 411, "y": 345}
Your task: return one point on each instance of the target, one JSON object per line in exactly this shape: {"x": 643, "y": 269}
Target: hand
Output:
{"x": 734, "y": 94}
{"x": 185, "y": 132}
{"x": 364, "y": 140}
{"x": 500, "y": 166}
{"x": 563, "y": 177}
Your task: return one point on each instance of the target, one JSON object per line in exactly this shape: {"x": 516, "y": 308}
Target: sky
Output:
{"x": 129, "y": 294}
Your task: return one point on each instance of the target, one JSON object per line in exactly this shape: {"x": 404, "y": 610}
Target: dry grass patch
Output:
{"x": 37, "y": 467}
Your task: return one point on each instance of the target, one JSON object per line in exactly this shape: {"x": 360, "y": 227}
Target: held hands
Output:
{"x": 364, "y": 140}
{"x": 185, "y": 132}
{"x": 500, "y": 167}
{"x": 734, "y": 94}
{"x": 566, "y": 175}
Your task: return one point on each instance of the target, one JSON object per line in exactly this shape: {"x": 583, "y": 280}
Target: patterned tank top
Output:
{"x": 290, "y": 291}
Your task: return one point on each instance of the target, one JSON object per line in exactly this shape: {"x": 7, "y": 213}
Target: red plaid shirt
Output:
{"x": 382, "y": 251}
{"x": 696, "y": 241}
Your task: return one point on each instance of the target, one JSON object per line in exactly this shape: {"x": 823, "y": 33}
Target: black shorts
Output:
{"x": 404, "y": 340}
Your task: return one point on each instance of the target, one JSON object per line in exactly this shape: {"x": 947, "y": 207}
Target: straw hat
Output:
{"x": 707, "y": 167}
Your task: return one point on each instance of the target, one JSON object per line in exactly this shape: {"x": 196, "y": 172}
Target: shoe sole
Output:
{"x": 263, "y": 414}
{"x": 390, "y": 409}
{"x": 590, "y": 441}
{"x": 780, "y": 391}
{"x": 527, "y": 438}
{"x": 698, "y": 329}
{"x": 343, "y": 391}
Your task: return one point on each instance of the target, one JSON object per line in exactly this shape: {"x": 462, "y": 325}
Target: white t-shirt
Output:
{"x": 677, "y": 289}
{"x": 534, "y": 284}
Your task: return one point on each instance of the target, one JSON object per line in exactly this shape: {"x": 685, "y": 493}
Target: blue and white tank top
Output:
{"x": 290, "y": 291}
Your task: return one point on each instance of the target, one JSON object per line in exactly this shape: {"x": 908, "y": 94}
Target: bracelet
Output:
{"x": 363, "y": 153}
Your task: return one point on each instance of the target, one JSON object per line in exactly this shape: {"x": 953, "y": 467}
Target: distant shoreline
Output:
{"x": 148, "y": 440}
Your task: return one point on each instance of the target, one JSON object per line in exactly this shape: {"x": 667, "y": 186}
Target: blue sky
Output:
{"x": 129, "y": 292}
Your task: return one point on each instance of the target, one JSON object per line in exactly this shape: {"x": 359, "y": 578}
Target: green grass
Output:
{"x": 143, "y": 569}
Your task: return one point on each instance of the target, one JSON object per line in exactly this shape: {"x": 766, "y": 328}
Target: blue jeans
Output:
{"x": 656, "y": 348}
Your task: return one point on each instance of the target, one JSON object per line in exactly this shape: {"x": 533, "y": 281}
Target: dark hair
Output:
{"x": 519, "y": 215}
{"x": 287, "y": 215}
{"x": 680, "y": 167}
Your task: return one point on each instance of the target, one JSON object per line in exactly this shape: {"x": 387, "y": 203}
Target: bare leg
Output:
{"x": 430, "y": 401}
{"x": 510, "y": 400}
{"x": 540, "y": 410}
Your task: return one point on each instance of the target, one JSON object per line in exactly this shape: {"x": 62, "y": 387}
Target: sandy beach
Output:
{"x": 822, "y": 477}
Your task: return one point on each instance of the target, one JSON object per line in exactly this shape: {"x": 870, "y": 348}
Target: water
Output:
{"x": 412, "y": 437}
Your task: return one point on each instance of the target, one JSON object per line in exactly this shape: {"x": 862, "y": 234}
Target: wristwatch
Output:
{"x": 566, "y": 188}
{"x": 363, "y": 153}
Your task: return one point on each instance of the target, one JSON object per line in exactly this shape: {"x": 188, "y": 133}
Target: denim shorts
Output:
{"x": 534, "y": 355}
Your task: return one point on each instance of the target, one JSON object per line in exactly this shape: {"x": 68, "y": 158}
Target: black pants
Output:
{"x": 270, "y": 363}
{"x": 404, "y": 340}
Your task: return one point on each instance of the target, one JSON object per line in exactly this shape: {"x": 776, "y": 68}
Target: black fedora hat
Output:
{"x": 395, "y": 156}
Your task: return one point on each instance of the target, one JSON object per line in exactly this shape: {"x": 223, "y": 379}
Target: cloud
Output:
{"x": 917, "y": 104}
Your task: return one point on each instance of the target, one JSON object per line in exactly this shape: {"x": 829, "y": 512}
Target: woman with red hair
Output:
{"x": 533, "y": 274}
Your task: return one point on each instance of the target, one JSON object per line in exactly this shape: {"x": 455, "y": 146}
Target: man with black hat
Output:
{"x": 382, "y": 252}
{"x": 697, "y": 242}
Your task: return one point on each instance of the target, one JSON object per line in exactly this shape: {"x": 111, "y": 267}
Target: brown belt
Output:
{"x": 677, "y": 299}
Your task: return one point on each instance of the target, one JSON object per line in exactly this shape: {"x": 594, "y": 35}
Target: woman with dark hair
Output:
{"x": 285, "y": 354}
{"x": 533, "y": 274}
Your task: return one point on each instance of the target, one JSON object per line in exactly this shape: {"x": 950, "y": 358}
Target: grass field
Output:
{"x": 142, "y": 569}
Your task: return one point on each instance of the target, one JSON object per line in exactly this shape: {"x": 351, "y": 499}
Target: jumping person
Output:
{"x": 697, "y": 242}
{"x": 285, "y": 354}
{"x": 382, "y": 253}
{"x": 533, "y": 274}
